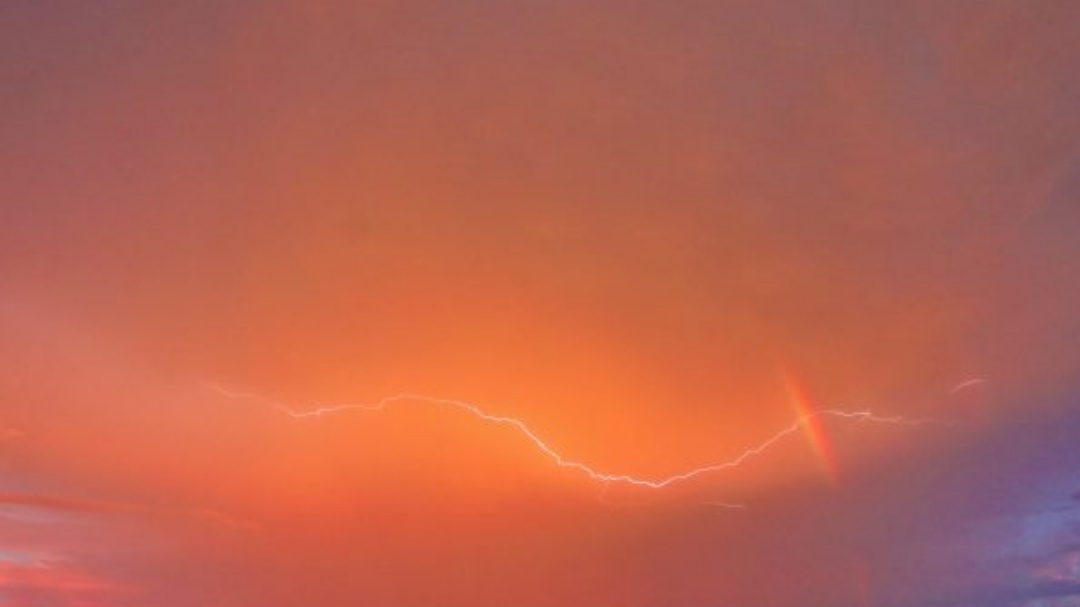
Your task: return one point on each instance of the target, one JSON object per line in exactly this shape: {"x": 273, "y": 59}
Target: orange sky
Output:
{"x": 654, "y": 233}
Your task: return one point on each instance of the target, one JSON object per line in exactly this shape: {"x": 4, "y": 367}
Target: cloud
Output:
{"x": 54, "y": 583}
{"x": 608, "y": 218}
{"x": 1052, "y": 589}
{"x": 69, "y": 504}
{"x": 76, "y": 505}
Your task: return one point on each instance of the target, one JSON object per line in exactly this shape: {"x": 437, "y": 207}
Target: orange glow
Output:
{"x": 586, "y": 232}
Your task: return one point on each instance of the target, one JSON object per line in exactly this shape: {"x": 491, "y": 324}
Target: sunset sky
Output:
{"x": 577, "y": 303}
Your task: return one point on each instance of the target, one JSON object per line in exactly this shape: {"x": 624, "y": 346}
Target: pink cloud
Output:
{"x": 58, "y": 583}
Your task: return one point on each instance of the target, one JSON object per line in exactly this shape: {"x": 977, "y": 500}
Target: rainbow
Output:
{"x": 813, "y": 427}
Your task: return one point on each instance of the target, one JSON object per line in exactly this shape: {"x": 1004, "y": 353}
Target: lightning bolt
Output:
{"x": 563, "y": 462}
{"x": 726, "y": 505}
{"x": 967, "y": 384}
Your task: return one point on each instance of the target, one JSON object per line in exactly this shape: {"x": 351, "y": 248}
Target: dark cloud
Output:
{"x": 1049, "y": 590}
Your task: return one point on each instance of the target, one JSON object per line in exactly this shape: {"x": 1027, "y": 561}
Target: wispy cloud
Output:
{"x": 79, "y": 505}
{"x": 59, "y": 583}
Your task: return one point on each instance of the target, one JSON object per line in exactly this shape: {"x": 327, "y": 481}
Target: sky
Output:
{"x": 639, "y": 304}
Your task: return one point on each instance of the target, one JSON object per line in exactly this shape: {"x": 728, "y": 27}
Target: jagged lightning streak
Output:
{"x": 727, "y": 505}
{"x": 562, "y": 461}
{"x": 967, "y": 384}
